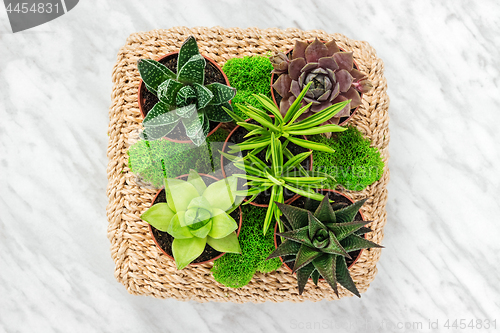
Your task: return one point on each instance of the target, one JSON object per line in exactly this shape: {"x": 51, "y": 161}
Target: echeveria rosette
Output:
{"x": 319, "y": 242}
{"x": 196, "y": 215}
{"x": 332, "y": 73}
{"x": 183, "y": 97}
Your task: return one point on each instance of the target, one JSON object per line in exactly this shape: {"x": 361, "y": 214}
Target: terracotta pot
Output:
{"x": 141, "y": 97}
{"x": 274, "y": 97}
{"x": 193, "y": 263}
{"x": 276, "y": 237}
{"x": 224, "y": 172}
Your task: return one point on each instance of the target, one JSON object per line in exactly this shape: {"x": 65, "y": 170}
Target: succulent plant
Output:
{"x": 320, "y": 242}
{"x": 276, "y": 178}
{"x": 331, "y": 72}
{"x": 284, "y": 126}
{"x": 196, "y": 215}
{"x": 183, "y": 97}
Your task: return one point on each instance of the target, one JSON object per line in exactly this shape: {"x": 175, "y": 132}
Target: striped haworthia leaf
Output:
{"x": 153, "y": 73}
{"x": 217, "y": 113}
{"x": 185, "y": 96}
{"x": 204, "y": 95}
{"x": 186, "y": 111}
{"x": 193, "y": 70}
{"x": 153, "y": 118}
{"x": 188, "y": 49}
{"x": 167, "y": 91}
{"x": 222, "y": 93}
{"x": 158, "y": 132}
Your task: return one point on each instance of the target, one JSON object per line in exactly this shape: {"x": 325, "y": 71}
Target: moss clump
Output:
{"x": 145, "y": 158}
{"x": 354, "y": 165}
{"x": 236, "y": 270}
{"x": 249, "y": 75}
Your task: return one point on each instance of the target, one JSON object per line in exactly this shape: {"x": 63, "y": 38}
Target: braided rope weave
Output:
{"x": 140, "y": 266}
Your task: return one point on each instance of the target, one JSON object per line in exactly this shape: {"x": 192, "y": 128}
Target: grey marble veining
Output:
{"x": 441, "y": 261}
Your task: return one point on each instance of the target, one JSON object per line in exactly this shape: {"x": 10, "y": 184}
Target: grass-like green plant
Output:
{"x": 320, "y": 242}
{"x": 249, "y": 75}
{"x": 354, "y": 164}
{"x": 183, "y": 97}
{"x": 260, "y": 135}
{"x": 196, "y": 215}
{"x": 276, "y": 178}
{"x": 236, "y": 270}
{"x": 152, "y": 161}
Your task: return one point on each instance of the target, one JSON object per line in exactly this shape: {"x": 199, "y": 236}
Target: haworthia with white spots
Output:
{"x": 193, "y": 70}
{"x": 185, "y": 95}
{"x": 216, "y": 113}
{"x": 222, "y": 93}
{"x": 153, "y": 73}
{"x": 188, "y": 49}
{"x": 186, "y": 111}
{"x": 167, "y": 91}
{"x": 204, "y": 95}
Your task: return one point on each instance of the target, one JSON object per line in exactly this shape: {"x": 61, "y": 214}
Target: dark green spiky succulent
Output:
{"x": 183, "y": 97}
{"x": 319, "y": 243}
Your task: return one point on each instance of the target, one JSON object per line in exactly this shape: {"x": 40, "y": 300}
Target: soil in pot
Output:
{"x": 165, "y": 240}
{"x": 212, "y": 74}
{"x": 264, "y": 197}
{"x": 277, "y": 97}
{"x": 300, "y": 202}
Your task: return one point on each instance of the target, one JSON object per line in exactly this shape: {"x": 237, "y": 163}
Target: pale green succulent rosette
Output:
{"x": 196, "y": 214}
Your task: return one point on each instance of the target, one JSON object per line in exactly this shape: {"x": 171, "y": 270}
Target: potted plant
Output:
{"x": 320, "y": 238}
{"x": 196, "y": 218}
{"x": 192, "y": 97}
{"x": 332, "y": 73}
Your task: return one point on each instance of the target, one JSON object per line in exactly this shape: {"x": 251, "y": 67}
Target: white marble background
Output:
{"x": 441, "y": 260}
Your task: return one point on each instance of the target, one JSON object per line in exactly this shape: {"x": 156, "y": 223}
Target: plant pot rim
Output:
{"x": 193, "y": 263}
{"x": 289, "y": 201}
{"x": 140, "y": 97}
{"x": 360, "y": 94}
{"x": 357, "y": 257}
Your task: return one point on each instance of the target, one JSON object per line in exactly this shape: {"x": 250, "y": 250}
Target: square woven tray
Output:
{"x": 140, "y": 266}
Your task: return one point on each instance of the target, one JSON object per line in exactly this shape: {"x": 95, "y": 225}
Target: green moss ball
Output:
{"x": 249, "y": 75}
{"x": 354, "y": 165}
{"x": 236, "y": 270}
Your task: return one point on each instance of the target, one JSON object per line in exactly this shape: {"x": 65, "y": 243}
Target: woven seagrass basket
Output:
{"x": 139, "y": 264}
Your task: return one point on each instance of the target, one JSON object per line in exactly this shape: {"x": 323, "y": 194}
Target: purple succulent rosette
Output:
{"x": 332, "y": 73}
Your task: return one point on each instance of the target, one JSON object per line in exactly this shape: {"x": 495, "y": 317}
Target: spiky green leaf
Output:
{"x": 348, "y": 213}
{"x": 343, "y": 276}
{"x": 303, "y": 276}
{"x": 297, "y": 217}
{"x": 324, "y": 212}
{"x": 326, "y": 266}
{"x": 355, "y": 242}
{"x": 305, "y": 255}
{"x": 286, "y": 248}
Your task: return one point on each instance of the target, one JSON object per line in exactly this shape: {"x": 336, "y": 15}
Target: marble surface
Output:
{"x": 441, "y": 259}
